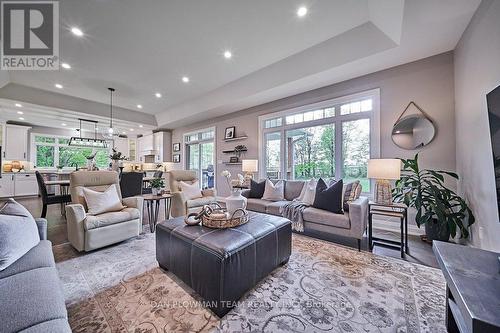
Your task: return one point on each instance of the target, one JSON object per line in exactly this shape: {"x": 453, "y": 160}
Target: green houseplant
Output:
{"x": 439, "y": 208}
{"x": 156, "y": 185}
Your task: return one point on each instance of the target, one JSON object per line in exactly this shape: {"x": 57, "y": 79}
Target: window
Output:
{"x": 270, "y": 123}
{"x": 53, "y": 151}
{"x": 330, "y": 139}
{"x": 311, "y": 152}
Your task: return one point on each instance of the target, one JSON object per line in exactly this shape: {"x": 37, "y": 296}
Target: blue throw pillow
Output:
{"x": 329, "y": 197}
{"x": 257, "y": 189}
{"x": 18, "y": 233}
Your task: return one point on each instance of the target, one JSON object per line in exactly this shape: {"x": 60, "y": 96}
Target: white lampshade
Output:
{"x": 250, "y": 165}
{"x": 384, "y": 168}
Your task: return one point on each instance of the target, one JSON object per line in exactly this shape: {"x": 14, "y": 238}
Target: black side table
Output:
{"x": 153, "y": 206}
{"x": 390, "y": 210}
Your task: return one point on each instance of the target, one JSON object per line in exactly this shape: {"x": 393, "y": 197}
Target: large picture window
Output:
{"x": 331, "y": 139}
{"x": 53, "y": 151}
{"x": 200, "y": 155}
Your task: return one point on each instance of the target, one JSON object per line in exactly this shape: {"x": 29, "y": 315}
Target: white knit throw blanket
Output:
{"x": 293, "y": 211}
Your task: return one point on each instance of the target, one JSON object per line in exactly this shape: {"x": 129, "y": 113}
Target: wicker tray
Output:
{"x": 239, "y": 217}
{"x": 213, "y": 216}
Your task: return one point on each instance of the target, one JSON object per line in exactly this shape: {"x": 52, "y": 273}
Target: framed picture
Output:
{"x": 230, "y": 133}
{"x": 233, "y": 159}
{"x": 176, "y": 158}
{"x": 176, "y": 147}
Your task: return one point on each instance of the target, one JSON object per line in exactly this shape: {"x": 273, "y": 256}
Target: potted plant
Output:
{"x": 116, "y": 157}
{"x": 439, "y": 208}
{"x": 156, "y": 185}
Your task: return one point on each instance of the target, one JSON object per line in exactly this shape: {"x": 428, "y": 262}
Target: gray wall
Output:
{"x": 428, "y": 82}
{"x": 477, "y": 72}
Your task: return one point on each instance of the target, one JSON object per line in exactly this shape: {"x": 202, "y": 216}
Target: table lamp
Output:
{"x": 384, "y": 170}
{"x": 249, "y": 167}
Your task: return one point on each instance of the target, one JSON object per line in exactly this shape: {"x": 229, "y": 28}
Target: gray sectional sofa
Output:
{"x": 31, "y": 294}
{"x": 349, "y": 224}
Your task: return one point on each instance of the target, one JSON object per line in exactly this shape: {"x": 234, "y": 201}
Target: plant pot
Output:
{"x": 155, "y": 191}
{"x": 235, "y": 201}
{"x": 437, "y": 231}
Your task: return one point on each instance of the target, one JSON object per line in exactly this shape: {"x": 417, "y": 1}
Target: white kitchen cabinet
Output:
{"x": 25, "y": 184}
{"x": 121, "y": 145}
{"x": 7, "y": 186}
{"x": 15, "y": 147}
{"x": 140, "y": 156}
{"x": 163, "y": 147}
{"x": 132, "y": 149}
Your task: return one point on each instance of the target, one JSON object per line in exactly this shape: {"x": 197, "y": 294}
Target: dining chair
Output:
{"x": 131, "y": 184}
{"x": 49, "y": 199}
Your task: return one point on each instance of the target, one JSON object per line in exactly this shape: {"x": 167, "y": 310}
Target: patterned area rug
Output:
{"x": 324, "y": 287}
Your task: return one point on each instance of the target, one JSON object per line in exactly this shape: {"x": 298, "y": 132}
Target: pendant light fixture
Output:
{"x": 111, "y": 130}
{"x": 78, "y": 141}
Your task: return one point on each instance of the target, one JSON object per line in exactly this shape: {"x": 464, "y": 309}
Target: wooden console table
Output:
{"x": 472, "y": 288}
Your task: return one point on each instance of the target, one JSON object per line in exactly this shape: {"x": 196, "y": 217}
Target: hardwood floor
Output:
{"x": 420, "y": 252}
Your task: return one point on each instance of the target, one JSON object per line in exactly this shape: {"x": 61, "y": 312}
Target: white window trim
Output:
{"x": 33, "y": 145}
{"x": 373, "y": 115}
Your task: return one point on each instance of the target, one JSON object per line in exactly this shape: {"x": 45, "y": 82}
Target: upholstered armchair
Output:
{"x": 88, "y": 232}
{"x": 180, "y": 204}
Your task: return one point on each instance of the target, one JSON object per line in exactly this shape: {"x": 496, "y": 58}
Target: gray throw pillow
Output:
{"x": 18, "y": 233}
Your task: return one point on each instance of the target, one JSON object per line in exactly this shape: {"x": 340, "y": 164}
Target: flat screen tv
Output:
{"x": 493, "y": 100}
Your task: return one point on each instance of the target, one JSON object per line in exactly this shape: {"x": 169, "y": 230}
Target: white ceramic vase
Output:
{"x": 235, "y": 201}
{"x": 155, "y": 190}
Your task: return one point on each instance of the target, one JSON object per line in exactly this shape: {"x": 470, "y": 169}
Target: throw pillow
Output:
{"x": 18, "y": 233}
{"x": 329, "y": 197}
{"x": 308, "y": 192}
{"x": 191, "y": 191}
{"x": 102, "y": 202}
{"x": 274, "y": 192}
{"x": 257, "y": 189}
{"x": 352, "y": 192}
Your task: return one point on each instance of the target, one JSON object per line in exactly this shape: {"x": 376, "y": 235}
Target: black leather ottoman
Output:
{"x": 222, "y": 264}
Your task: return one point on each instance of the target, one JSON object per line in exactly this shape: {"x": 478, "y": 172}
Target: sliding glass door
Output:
{"x": 200, "y": 156}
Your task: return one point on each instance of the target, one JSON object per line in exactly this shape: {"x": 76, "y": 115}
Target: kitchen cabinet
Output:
{"x": 7, "y": 186}
{"x": 121, "y": 145}
{"x": 132, "y": 149}
{"x": 15, "y": 146}
{"x": 25, "y": 184}
{"x": 163, "y": 147}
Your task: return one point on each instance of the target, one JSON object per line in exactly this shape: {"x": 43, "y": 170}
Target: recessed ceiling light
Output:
{"x": 124, "y": 132}
{"x": 302, "y": 11}
{"x": 141, "y": 126}
{"x": 228, "y": 54}
{"x": 63, "y": 124}
{"x": 185, "y": 79}
{"x": 77, "y": 32}
{"x": 21, "y": 118}
{"x": 158, "y": 95}
{"x": 58, "y": 86}
{"x": 65, "y": 65}
{"x": 131, "y": 130}
{"x": 18, "y": 105}
{"x": 139, "y": 106}
{"x": 20, "y": 112}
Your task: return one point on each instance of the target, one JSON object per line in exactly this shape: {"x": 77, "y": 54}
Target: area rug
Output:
{"x": 324, "y": 287}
